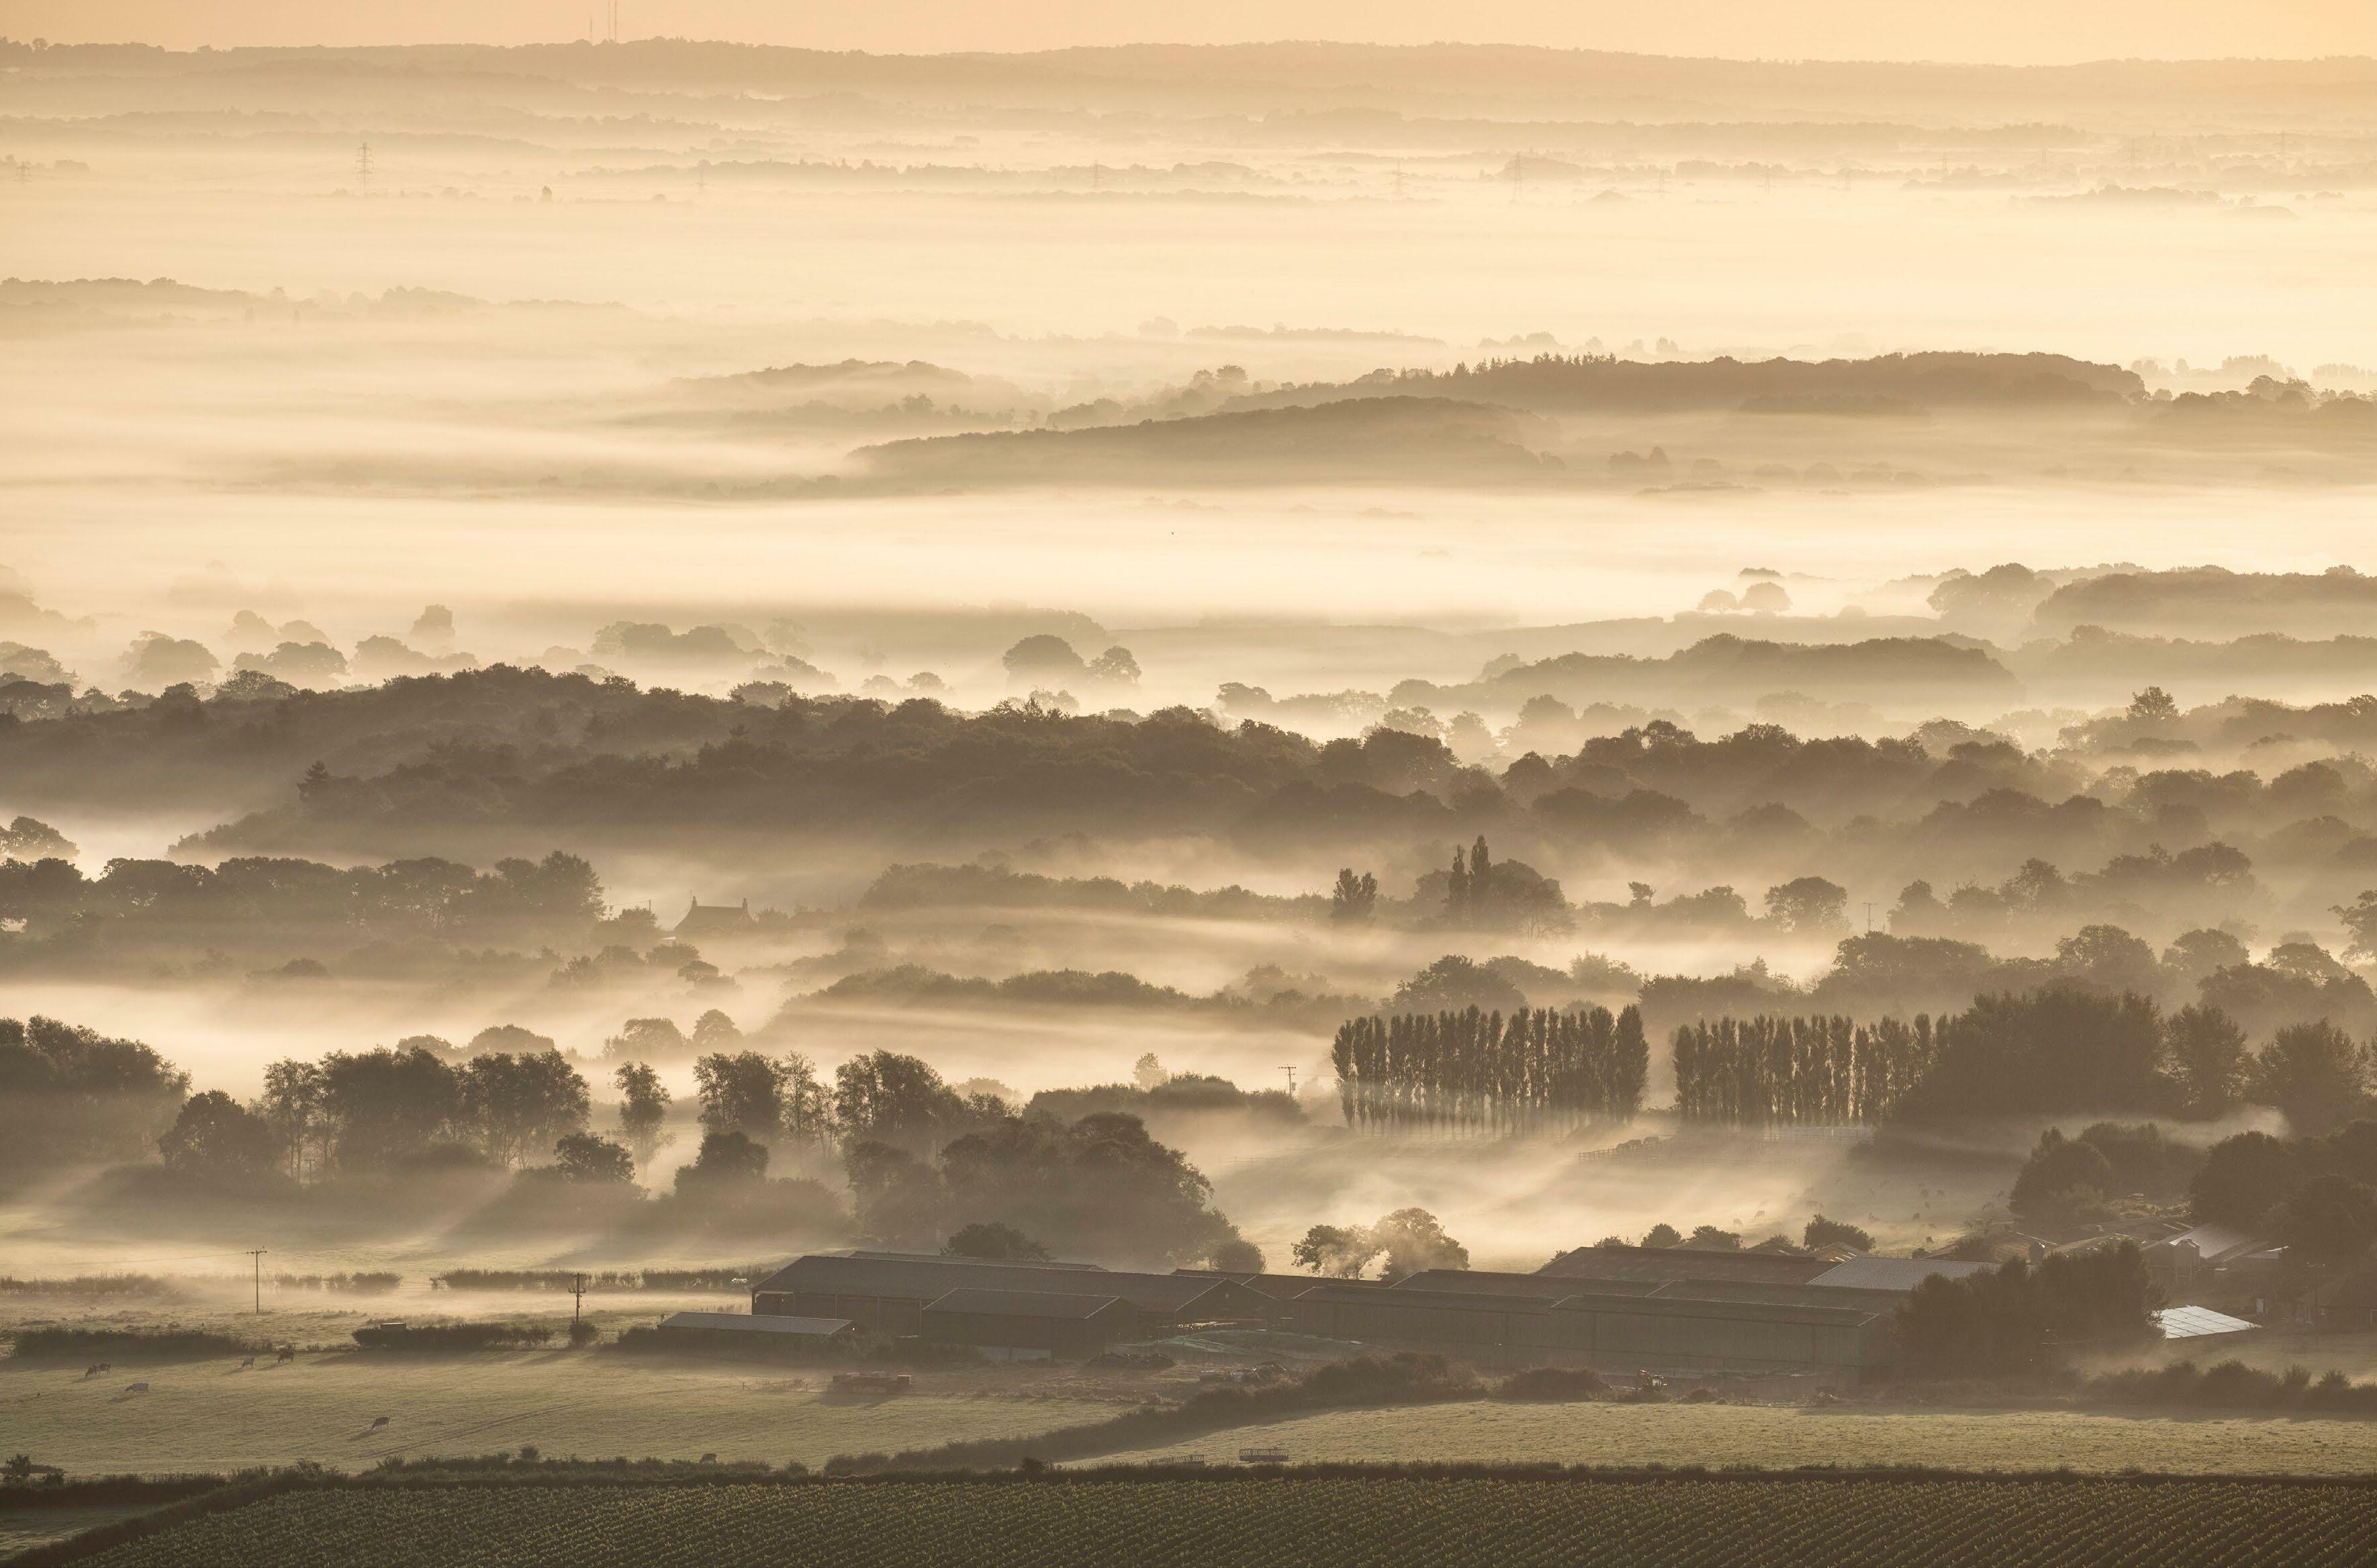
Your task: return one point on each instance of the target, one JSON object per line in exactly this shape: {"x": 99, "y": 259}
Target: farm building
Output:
{"x": 743, "y": 1332}
{"x": 1899, "y": 1275}
{"x": 1624, "y": 1325}
{"x": 1280, "y": 1286}
{"x": 888, "y": 1291}
{"x": 1060, "y": 1323}
{"x": 1665, "y": 1263}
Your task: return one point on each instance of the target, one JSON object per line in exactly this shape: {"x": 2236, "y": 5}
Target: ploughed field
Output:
{"x": 1269, "y": 1521}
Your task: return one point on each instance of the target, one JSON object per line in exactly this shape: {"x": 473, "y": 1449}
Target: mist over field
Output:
{"x": 643, "y": 658}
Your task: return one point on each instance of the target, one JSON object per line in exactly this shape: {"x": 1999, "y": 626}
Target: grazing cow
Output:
{"x": 136, "y": 1388}
{"x": 710, "y": 1458}
{"x": 288, "y": 1353}
{"x": 250, "y": 1362}
{"x": 379, "y": 1421}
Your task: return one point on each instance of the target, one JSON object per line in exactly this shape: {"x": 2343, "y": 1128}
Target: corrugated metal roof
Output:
{"x": 1894, "y": 1274}
{"x": 1681, "y": 1262}
{"x": 1756, "y": 1290}
{"x": 1661, "y": 1305}
{"x": 1432, "y": 1300}
{"x": 1478, "y": 1282}
{"x": 1279, "y": 1287}
{"x": 759, "y": 1323}
{"x": 2216, "y": 1243}
{"x": 953, "y": 1258}
{"x": 1072, "y": 1305}
{"x": 922, "y": 1277}
{"x": 2198, "y": 1322}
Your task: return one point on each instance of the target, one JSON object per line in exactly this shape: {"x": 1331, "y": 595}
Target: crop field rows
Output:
{"x": 1273, "y": 1521}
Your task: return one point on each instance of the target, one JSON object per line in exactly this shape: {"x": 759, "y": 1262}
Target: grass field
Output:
{"x": 1776, "y": 1438}
{"x": 22, "y": 1529}
{"x": 213, "y": 1416}
{"x": 1274, "y": 1522}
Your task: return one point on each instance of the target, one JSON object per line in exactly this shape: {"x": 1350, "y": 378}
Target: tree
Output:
{"x": 1414, "y": 1240}
{"x": 1336, "y": 1251}
{"x": 2242, "y": 1179}
{"x": 514, "y": 1104}
{"x": 2201, "y": 952}
{"x": 1454, "y": 982}
{"x": 887, "y": 1097}
{"x": 1809, "y": 904}
{"x": 2206, "y": 1055}
{"x": 1042, "y": 657}
{"x": 726, "y": 1158}
{"x": 2329, "y": 1219}
{"x": 2153, "y": 706}
{"x": 1663, "y": 1235}
{"x": 1115, "y": 666}
{"x": 214, "y": 1135}
{"x": 386, "y": 1105}
{"x": 1354, "y": 899}
{"x": 995, "y": 1240}
{"x": 643, "y": 1107}
{"x": 1709, "y": 1239}
{"x": 1148, "y": 1073}
{"x": 897, "y": 1196}
{"x": 740, "y": 1092}
{"x": 2360, "y": 918}
{"x": 2016, "y": 1318}
{"x": 582, "y": 1157}
{"x": 293, "y": 1105}
{"x": 2062, "y": 1181}
{"x": 2315, "y": 1075}
{"x": 1822, "y": 1232}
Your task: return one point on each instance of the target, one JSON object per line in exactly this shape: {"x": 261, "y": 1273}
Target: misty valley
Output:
{"x": 739, "y": 778}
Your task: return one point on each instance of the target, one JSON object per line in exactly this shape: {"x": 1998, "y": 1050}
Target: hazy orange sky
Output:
{"x": 2025, "y": 32}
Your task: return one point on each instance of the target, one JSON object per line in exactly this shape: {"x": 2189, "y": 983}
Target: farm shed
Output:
{"x": 1681, "y": 1327}
{"x": 1662, "y": 1264}
{"x": 1668, "y": 1332}
{"x": 1030, "y": 1322}
{"x": 745, "y": 1334}
{"x": 888, "y": 1291}
{"x": 1279, "y": 1287}
{"x": 1901, "y": 1274}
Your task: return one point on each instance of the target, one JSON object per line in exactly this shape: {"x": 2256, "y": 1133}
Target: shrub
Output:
{"x": 453, "y": 1337}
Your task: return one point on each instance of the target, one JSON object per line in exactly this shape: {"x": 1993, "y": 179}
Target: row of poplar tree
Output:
{"x": 1536, "y": 1071}
{"x": 1799, "y": 1071}
{"x": 1539, "y": 1069}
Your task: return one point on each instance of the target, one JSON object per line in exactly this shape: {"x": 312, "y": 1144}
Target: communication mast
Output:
{"x": 363, "y": 165}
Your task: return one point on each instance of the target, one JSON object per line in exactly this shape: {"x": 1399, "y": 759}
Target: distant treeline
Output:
{"x": 605, "y": 1279}
{"x": 1000, "y": 887}
{"x": 1556, "y": 384}
{"x": 292, "y": 907}
{"x": 1537, "y": 1071}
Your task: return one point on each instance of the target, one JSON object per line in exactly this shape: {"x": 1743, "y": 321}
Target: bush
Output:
{"x": 98, "y": 1344}
{"x": 454, "y": 1337}
{"x": 1552, "y": 1384}
{"x": 582, "y": 1333}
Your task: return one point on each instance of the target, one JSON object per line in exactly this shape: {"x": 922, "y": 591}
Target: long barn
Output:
{"x": 888, "y": 1291}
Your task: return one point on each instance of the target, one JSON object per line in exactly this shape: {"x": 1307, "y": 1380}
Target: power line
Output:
{"x": 256, "y": 1257}
{"x": 363, "y": 165}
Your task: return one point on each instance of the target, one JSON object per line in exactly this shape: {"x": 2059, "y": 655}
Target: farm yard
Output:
{"x": 1258, "y": 1521}
{"x": 215, "y": 1414}
{"x": 1719, "y": 1435}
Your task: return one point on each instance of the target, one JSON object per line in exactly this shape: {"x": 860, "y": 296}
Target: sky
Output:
{"x": 2012, "y": 31}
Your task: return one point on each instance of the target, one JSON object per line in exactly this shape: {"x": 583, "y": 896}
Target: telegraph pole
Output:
{"x": 1290, "y": 1071}
{"x": 577, "y": 1296}
{"x": 256, "y": 1263}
